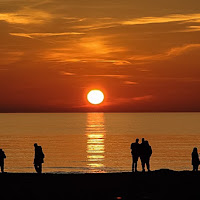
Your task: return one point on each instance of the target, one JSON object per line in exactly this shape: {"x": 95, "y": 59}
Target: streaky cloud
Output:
{"x": 32, "y": 35}
{"x": 8, "y": 57}
{"x": 101, "y": 23}
{"x": 67, "y": 73}
{"x": 26, "y": 16}
{"x": 173, "y": 52}
{"x": 119, "y": 76}
{"x": 162, "y": 19}
{"x": 131, "y": 83}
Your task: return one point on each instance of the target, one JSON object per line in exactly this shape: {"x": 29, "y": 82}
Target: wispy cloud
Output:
{"x": 162, "y": 19}
{"x": 32, "y": 35}
{"x": 142, "y": 98}
{"x": 93, "y": 49}
{"x": 117, "y": 76}
{"x": 126, "y": 100}
{"x": 176, "y": 51}
{"x": 110, "y": 76}
{"x": 67, "y": 73}
{"x": 104, "y": 23}
{"x": 131, "y": 83}
{"x": 26, "y": 16}
{"x": 8, "y": 57}
{"x": 191, "y": 29}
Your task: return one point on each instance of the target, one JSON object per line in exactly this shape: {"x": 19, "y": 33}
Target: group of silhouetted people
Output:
{"x": 142, "y": 151}
{"x": 38, "y": 159}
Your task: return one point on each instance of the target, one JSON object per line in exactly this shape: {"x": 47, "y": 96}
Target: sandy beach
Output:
{"x": 160, "y": 184}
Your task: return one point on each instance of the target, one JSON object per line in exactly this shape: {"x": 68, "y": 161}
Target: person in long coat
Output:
{"x": 195, "y": 159}
{"x": 38, "y": 159}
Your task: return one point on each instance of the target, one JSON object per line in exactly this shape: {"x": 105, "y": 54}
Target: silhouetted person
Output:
{"x": 195, "y": 159}
{"x": 145, "y": 154}
{"x": 39, "y": 158}
{"x": 135, "y": 151}
{"x": 2, "y": 157}
{"x": 142, "y": 154}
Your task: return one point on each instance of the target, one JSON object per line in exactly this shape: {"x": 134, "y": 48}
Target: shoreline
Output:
{"x": 164, "y": 170}
{"x": 158, "y": 184}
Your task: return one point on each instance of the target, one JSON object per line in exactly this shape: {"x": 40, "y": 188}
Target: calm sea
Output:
{"x": 97, "y": 142}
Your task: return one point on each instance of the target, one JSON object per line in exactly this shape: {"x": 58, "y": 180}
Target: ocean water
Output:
{"x": 97, "y": 142}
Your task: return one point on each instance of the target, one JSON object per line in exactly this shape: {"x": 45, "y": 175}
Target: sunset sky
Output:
{"x": 144, "y": 55}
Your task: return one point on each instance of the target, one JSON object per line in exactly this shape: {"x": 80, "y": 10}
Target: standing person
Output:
{"x": 142, "y": 154}
{"x": 145, "y": 154}
{"x": 39, "y": 158}
{"x": 195, "y": 159}
{"x": 2, "y": 157}
{"x": 135, "y": 151}
{"x": 148, "y": 150}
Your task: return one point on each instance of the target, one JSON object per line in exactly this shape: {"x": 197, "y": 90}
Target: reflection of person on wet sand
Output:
{"x": 39, "y": 158}
{"x": 195, "y": 159}
{"x": 135, "y": 151}
{"x": 2, "y": 157}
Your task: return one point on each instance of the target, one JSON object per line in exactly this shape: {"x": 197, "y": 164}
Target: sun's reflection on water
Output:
{"x": 95, "y": 131}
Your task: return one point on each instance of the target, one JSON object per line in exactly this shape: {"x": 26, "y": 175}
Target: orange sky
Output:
{"x": 144, "y": 55}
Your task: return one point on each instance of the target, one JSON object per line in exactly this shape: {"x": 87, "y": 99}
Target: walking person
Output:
{"x": 39, "y": 158}
{"x": 195, "y": 159}
{"x": 135, "y": 151}
{"x": 2, "y": 157}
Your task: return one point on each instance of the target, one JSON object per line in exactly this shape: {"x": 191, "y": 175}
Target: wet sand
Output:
{"x": 160, "y": 184}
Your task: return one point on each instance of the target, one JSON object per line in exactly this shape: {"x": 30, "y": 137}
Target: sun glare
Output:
{"x": 95, "y": 97}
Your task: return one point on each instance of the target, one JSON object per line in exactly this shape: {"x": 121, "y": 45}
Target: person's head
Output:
{"x": 143, "y": 140}
{"x": 35, "y": 145}
{"x": 195, "y": 149}
{"x": 0, "y": 149}
{"x": 137, "y": 140}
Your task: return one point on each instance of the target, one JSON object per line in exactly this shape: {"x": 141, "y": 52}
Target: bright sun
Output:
{"x": 95, "y": 96}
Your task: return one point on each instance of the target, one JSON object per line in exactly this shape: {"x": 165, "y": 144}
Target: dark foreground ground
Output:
{"x": 161, "y": 184}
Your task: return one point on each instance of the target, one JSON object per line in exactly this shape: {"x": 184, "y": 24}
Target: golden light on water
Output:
{"x": 95, "y": 132}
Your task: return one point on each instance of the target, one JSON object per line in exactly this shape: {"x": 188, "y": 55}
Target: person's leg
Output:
{"x": 195, "y": 168}
{"x": 143, "y": 164}
{"x": 132, "y": 164}
{"x": 40, "y": 168}
{"x": 36, "y": 167}
{"x": 1, "y": 167}
{"x": 135, "y": 166}
{"x": 148, "y": 165}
